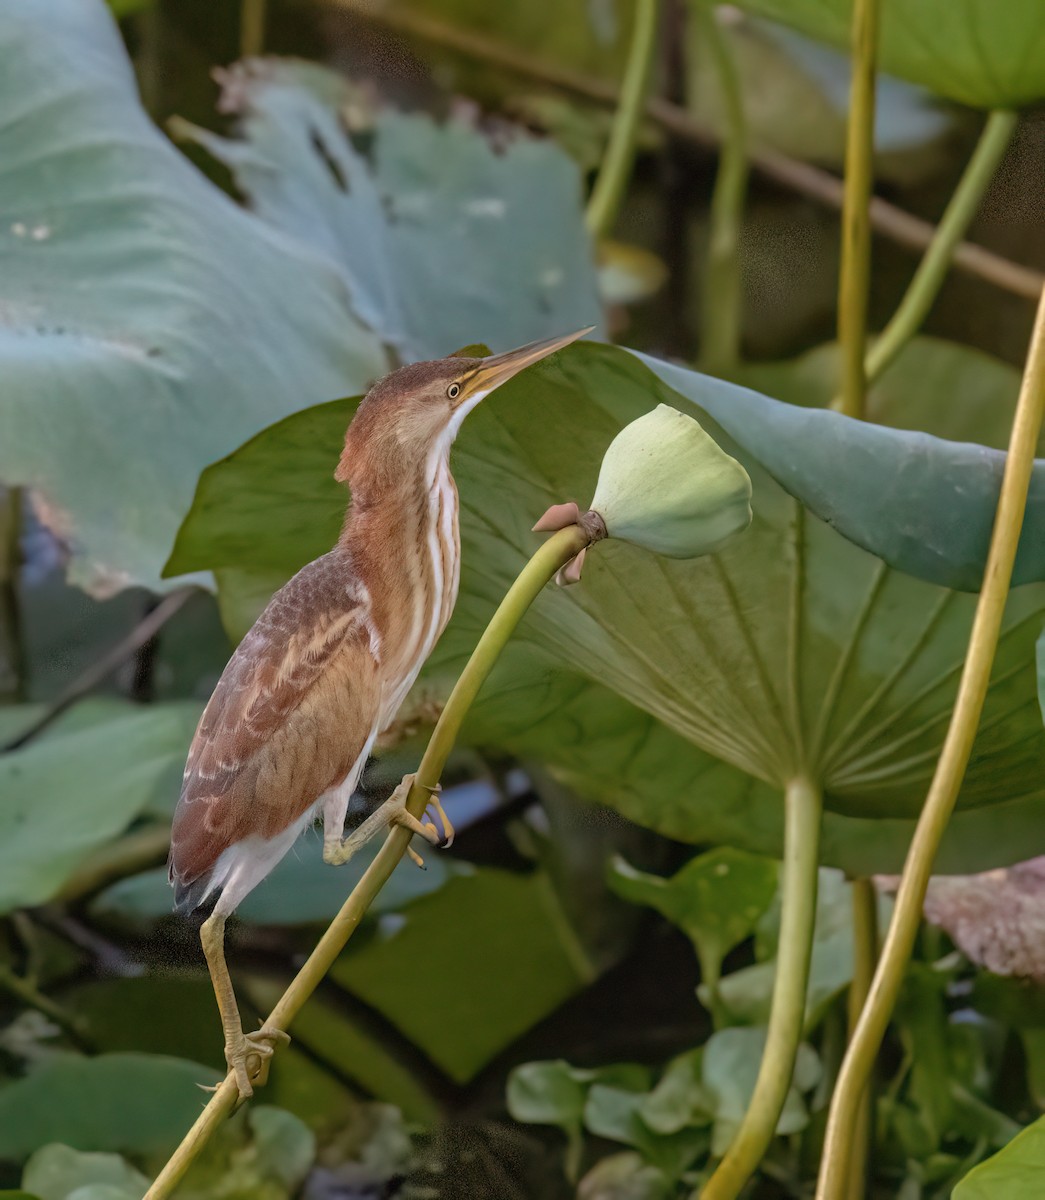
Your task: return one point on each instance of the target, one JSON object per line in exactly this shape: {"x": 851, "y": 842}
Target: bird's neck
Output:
{"x": 402, "y": 537}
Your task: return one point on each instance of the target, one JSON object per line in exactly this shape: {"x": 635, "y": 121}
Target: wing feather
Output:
{"x": 288, "y": 719}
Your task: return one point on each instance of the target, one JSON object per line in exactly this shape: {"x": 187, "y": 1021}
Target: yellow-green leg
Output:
{"x": 247, "y": 1054}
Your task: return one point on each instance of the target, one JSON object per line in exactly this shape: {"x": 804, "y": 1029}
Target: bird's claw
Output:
{"x": 249, "y": 1057}
{"x": 426, "y": 829}
{"x": 394, "y": 812}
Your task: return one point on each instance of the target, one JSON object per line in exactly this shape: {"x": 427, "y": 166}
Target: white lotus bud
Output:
{"x": 667, "y": 486}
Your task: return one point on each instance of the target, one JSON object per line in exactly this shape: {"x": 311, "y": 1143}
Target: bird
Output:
{"x": 324, "y": 669}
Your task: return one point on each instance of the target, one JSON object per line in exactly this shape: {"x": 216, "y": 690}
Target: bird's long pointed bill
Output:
{"x": 499, "y": 368}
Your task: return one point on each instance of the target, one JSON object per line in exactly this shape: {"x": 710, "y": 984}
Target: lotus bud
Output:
{"x": 667, "y": 486}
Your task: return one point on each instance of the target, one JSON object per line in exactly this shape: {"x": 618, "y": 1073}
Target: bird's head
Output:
{"x": 416, "y": 412}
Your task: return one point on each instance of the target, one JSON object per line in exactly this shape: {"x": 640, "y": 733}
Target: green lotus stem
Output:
{"x": 865, "y": 957}
{"x": 553, "y": 554}
{"x": 803, "y": 806}
{"x": 615, "y": 171}
{"x": 722, "y": 306}
{"x": 854, "y": 278}
{"x": 947, "y": 779}
{"x": 251, "y": 28}
{"x": 932, "y": 270}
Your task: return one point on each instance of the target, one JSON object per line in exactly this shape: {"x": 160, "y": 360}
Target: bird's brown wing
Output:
{"x": 290, "y": 716}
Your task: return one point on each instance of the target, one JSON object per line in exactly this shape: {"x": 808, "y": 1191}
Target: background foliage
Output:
{"x": 193, "y": 274}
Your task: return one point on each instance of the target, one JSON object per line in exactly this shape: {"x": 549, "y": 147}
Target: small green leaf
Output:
{"x": 716, "y": 898}
{"x": 55, "y": 1171}
{"x": 731, "y": 1062}
{"x": 286, "y": 1147}
{"x": 746, "y": 993}
{"x": 553, "y": 1093}
{"x": 680, "y": 1098}
{"x": 104, "y": 1191}
{"x": 546, "y": 1093}
{"x": 1014, "y": 1173}
{"x": 624, "y": 1176}
{"x": 616, "y": 1113}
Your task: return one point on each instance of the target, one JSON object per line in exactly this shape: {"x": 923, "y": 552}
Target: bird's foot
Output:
{"x": 393, "y": 812}
{"x": 249, "y": 1055}
{"x": 425, "y": 829}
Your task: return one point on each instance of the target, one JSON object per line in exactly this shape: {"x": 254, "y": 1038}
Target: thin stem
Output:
{"x": 144, "y": 631}
{"x": 803, "y": 807}
{"x": 820, "y": 186}
{"x": 553, "y": 554}
{"x": 132, "y": 853}
{"x": 251, "y": 28}
{"x": 12, "y": 652}
{"x": 29, "y": 994}
{"x": 608, "y": 192}
{"x": 943, "y": 791}
{"x": 865, "y": 957}
{"x": 932, "y": 270}
{"x": 723, "y": 300}
{"x": 853, "y": 283}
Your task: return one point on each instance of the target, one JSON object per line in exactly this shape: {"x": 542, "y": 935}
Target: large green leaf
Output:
{"x": 149, "y": 325}
{"x": 791, "y": 645}
{"x": 465, "y": 971}
{"x": 977, "y": 52}
{"x": 134, "y": 1103}
{"x": 75, "y": 788}
{"x": 931, "y": 515}
{"x": 442, "y": 234}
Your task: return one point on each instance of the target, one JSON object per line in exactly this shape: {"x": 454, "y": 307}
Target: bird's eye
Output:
{"x": 453, "y": 391}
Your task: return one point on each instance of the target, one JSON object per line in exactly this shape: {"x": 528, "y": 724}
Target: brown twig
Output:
{"x": 819, "y": 185}
{"x": 146, "y": 629}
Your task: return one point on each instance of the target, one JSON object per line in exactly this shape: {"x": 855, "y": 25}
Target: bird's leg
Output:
{"x": 392, "y": 812}
{"x": 247, "y": 1054}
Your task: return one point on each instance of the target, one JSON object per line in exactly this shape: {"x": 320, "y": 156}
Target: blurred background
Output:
{"x": 533, "y": 939}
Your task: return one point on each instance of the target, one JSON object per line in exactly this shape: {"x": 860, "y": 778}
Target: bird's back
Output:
{"x": 292, "y": 714}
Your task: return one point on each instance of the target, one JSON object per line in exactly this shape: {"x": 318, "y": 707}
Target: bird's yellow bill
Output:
{"x": 499, "y": 368}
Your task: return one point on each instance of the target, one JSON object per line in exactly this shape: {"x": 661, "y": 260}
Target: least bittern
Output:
{"x": 326, "y": 666}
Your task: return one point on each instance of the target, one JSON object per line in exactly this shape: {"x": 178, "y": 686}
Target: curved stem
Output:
{"x": 615, "y": 170}
{"x": 943, "y": 791}
{"x": 932, "y": 270}
{"x": 856, "y": 224}
{"x": 803, "y": 807}
{"x": 722, "y": 306}
{"x": 553, "y": 554}
{"x": 865, "y": 956}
